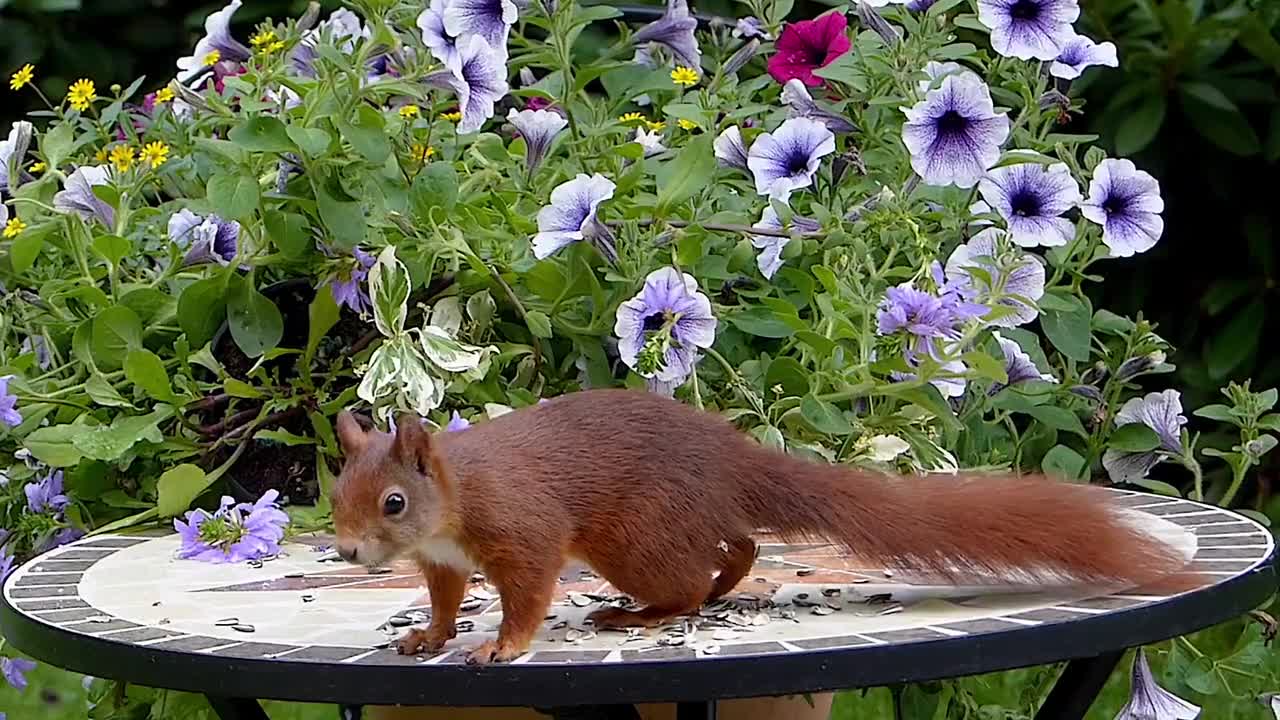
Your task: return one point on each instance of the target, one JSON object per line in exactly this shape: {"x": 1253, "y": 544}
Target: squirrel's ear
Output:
{"x": 350, "y": 434}
{"x": 413, "y": 443}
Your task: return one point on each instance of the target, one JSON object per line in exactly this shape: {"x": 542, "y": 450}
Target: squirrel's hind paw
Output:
{"x": 420, "y": 641}
{"x": 493, "y": 651}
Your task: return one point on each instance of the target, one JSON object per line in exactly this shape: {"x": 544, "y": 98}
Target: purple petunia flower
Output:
{"x": 924, "y": 314}
{"x": 650, "y": 142}
{"x": 343, "y": 27}
{"x": 674, "y": 30}
{"x": 9, "y": 414}
{"x": 1162, "y": 412}
{"x": 1009, "y": 278}
{"x": 770, "y": 247}
{"x": 1027, "y": 29}
{"x": 1032, "y": 198}
{"x": 1018, "y": 366}
{"x": 6, "y": 564}
{"x": 920, "y": 5}
{"x": 661, "y": 328}
{"x": 346, "y": 289}
{"x": 935, "y": 71}
{"x": 13, "y": 151}
{"x": 46, "y": 494}
{"x": 457, "y": 422}
{"x": 478, "y": 77}
{"x": 750, "y": 27}
{"x": 38, "y": 345}
{"x": 1149, "y": 701}
{"x": 789, "y": 157}
{"x": 489, "y": 19}
{"x": 233, "y": 533}
{"x": 730, "y": 150}
{"x": 954, "y": 134}
{"x": 1079, "y": 53}
{"x": 15, "y": 671}
{"x": 77, "y": 195}
{"x": 441, "y": 44}
{"x": 217, "y": 37}
{"x": 1126, "y": 202}
{"x": 59, "y": 538}
{"x": 207, "y": 239}
{"x": 801, "y": 104}
{"x": 539, "y": 129}
{"x": 571, "y": 217}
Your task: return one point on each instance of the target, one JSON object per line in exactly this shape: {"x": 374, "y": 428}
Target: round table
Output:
{"x": 306, "y": 627}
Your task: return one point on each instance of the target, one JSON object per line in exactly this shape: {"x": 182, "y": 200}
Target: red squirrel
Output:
{"x": 662, "y": 500}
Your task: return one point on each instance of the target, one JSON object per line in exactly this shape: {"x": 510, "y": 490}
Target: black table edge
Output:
{"x": 643, "y": 681}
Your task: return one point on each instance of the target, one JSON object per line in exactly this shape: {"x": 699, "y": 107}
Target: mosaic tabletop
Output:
{"x": 307, "y": 609}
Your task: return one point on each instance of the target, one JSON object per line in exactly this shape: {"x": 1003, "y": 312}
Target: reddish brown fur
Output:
{"x": 646, "y": 490}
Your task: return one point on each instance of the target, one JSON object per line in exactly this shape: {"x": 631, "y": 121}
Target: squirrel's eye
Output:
{"x": 393, "y": 505}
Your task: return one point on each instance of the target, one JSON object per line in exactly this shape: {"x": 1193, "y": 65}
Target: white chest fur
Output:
{"x": 444, "y": 551}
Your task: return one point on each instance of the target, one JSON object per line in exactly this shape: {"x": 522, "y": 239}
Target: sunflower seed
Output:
{"x": 243, "y": 628}
{"x": 739, "y": 620}
{"x": 579, "y": 600}
{"x": 805, "y": 572}
{"x": 888, "y": 573}
{"x": 575, "y": 636}
{"x": 723, "y": 634}
{"x": 380, "y": 571}
{"x": 724, "y": 546}
{"x": 560, "y": 625}
{"x": 400, "y": 621}
{"x": 227, "y": 622}
{"x": 709, "y": 649}
{"x": 255, "y": 564}
{"x": 464, "y": 626}
{"x": 308, "y": 598}
{"x": 760, "y": 619}
{"x": 893, "y": 610}
{"x": 822, "y": 610}
{"x": 477, "y": 578}
{"x": 830, "y": 592}
{"x": 295, "y": 576}
{"x": 481, "y": 594}
{"x": 100, "y": 619}
{"x": 470, "y": 604}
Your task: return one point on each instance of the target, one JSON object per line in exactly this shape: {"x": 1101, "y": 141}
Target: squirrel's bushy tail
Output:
{"x": 976, "y": 528}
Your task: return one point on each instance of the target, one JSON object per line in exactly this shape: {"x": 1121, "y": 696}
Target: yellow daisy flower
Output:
{"x": 100, "y": 156}
{"x": 454, "y": 116}
{"x": 164, "y": 95}
{"x": 122, "y": 157}
{"x": 631, "y": 118}
{"x": 684, "y": 76}
{"x": 263, "y": 37}
{"x": 212, "y": 58}
{"x": 81, "y": 94}
{"x": 274, "y": 47}
{"x": 687, "y": 124}
{"x": 409, "y": 111}
{"x": 656, "y": 125}
{"x": 14, "y": 228}
{"x": 38, "y": 167}
{"x": 421, "y": 153}
{"x": 22, "y": 77}
{"x": 154, "y": 154}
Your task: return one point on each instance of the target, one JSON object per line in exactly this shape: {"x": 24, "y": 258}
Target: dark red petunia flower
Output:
{"x": 807, "y": 45}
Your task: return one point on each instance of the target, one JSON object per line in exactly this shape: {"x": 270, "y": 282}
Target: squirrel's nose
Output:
{"x": 348, "y": 552}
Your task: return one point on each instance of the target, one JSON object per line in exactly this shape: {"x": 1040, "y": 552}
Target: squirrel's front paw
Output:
{"x": 493, "y": 651}
{"x": 428, "y": 640}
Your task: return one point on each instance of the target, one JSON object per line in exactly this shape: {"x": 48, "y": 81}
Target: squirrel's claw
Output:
{"x": 420, "y": 641}
{"x": 492, "y": 651}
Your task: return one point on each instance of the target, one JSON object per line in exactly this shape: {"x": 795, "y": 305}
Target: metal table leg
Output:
{"x": 236, "y": 708}
{"x": 703, "y": 710}
{"x": 350, "y": 712}
{"x": 1078, "y": 686}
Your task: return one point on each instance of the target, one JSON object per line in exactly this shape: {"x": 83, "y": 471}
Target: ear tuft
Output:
{"x": 413, "y": 443}
{"x": 351, "y": 436}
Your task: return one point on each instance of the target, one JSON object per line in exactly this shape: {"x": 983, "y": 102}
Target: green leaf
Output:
{"x": 689, "y": 173}
{"x": 1218, "y": 412}
{"x": 539, "y": 324}
{"x": 178, "y": 487}
{"x": 241, "y": 389}
{"x": 823, "y": 416}
{"x": 1236, "y": 342}
{"x": 1270, "y": 422}
{"x": 255, "y": 321}
{"x": 1108, "y": 322}
{"x": 1058, "y": 418}
{"x": 1068, "y": 330}
{"x": 788, "y": 373}
{"x": 145, "y": 369}
{"x": 321, "y": 317}
{"x": 1158, "y": 486}
{"x": 233, "y": 196}
{"x": 52, "y": 445}
{"x": 312, "y": 141}
{"x": 761, "y": 322}
{"x": 201, "y": 309}
{"x": 116, "y": 331}
{"x": 367, "y": 134}
{"x": 290, "y": 232}
{"x": 112, "y": 247}
{"x": 435, "y": 187}
{"x": 27, "y": 246}
{"x": 261, "y": 134}
{"x": 109, "y": 442}
{"x": 1139, "y": 126}
{"x": 389, "y": 290}
{"x": 986, "y": 366}
{"x": 1063, "y": 462}
{"x": 103, "y": 393}
{"x": 1134, "y": 437}
{"x": 284, "y": 437}
{"x": 343, "y": 215}
{"x": 1228, "y": 128}
{"x": 57, "y": 144}
{"x": 1202, "y": 676}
